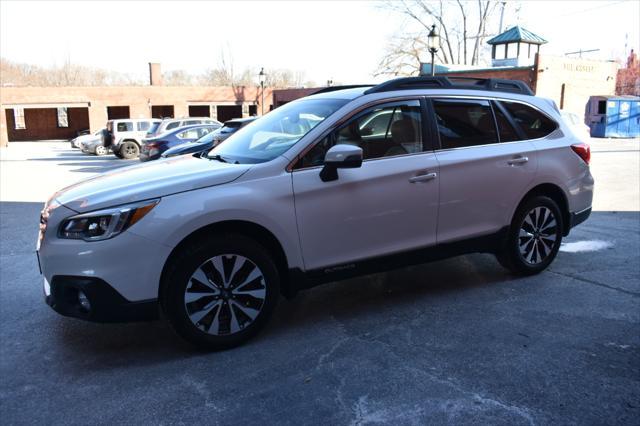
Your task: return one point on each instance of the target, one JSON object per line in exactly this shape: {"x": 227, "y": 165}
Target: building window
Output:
{"x": 63, "y": 117}
{"x": 18, "y": 118}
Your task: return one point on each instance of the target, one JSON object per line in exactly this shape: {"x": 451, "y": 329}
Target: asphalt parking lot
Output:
{"x": 453, "y": 342}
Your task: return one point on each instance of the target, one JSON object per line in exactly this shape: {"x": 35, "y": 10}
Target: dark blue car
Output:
{"x": 211, "y": 140}
{"x": 153, "y": 148}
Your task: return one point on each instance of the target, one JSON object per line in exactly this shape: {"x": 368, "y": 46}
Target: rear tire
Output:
{"x": 220, "y": 291}
{"x": 129, "y": 150}
{"x": 101, "y": 150}
{"x": 534, "y": 237}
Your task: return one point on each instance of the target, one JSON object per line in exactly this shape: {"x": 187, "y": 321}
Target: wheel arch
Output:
{"x": 129, "y": 140}
{"x": 556, "y": 193}
{"x": 249, "y": 229}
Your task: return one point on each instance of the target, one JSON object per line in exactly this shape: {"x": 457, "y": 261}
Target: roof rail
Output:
{"x": 334, "y": 88}
{"x": 442, "y": 82}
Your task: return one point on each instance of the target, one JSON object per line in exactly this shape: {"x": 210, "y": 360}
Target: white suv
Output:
{"x": 125, "y": 135}
{"x": 405, "y": 172}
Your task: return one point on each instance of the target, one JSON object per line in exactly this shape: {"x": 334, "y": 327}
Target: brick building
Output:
{"x": 40, "y": 113}
{"x": 515, "y": 55}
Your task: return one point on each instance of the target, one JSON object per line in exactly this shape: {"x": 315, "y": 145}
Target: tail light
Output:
{"x": 583, "y": 150}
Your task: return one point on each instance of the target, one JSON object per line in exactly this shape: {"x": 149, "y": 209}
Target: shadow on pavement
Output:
{"x": 381, "y": 298}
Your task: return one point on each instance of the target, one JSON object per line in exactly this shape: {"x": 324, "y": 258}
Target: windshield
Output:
{"x": 271, "y": 135}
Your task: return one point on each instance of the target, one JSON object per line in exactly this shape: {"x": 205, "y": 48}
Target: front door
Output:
{"x": 386, "y": 206}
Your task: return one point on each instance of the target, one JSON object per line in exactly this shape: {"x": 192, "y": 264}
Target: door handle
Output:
{"x": 517, "y": 160}
{"x": 423, "y": 177}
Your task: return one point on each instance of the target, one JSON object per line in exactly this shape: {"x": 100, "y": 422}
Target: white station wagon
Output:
{"x": 404, "y": 172}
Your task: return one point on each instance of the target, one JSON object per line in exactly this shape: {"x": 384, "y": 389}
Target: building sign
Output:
{"x": 578, "y": 67}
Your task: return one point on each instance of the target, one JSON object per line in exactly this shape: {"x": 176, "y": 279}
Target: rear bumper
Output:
{"x": 579, "y": 217}
{"x": 106, "y": 304}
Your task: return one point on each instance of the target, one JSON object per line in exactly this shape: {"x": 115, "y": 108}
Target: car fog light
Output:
{"x": 84, "y": 301}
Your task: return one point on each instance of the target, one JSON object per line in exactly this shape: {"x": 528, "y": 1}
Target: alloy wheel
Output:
{"x": 225, "y": 294}
{"x": 537, "y": 235}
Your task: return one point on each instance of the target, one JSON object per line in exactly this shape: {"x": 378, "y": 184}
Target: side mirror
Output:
{"x": 341, "y": 156}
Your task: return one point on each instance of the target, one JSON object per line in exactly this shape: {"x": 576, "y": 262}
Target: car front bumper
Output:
{"x": 105, "y": 304}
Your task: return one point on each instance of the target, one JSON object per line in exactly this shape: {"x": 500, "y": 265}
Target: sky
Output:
{"x": 338, "y": 40}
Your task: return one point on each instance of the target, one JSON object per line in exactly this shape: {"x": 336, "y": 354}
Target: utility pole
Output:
{"x": 504, "y": 3}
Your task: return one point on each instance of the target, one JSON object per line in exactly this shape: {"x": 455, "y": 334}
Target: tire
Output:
{"x": 129, "y": 150}
{"x": 116, "y": 152}
{"x": 224, "y": 269}
{"x": 101, "y": 150}
{"x": 534, "y": 237}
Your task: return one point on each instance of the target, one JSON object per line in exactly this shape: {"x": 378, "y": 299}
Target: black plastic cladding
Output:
{"x": 441, "y": 82}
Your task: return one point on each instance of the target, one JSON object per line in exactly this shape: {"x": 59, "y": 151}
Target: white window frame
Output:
{"x": 18, "y": 119}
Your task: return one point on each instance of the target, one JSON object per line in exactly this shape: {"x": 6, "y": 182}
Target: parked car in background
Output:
{"x": 125, "y": 135}
{"x": 77, "y": 141}
{"x": 95, "y": 146}
{"x": 214, "y": 241}
{"x": 173, "y": 123}
{"x": 230, "y": 127}
{"x": 203, "y": 144}
{"x": 576, "y": 124}
{"x": 152, "y": 148}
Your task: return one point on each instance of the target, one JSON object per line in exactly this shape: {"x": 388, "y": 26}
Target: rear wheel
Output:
{"x": 534, "y": 237}
{"x": 101, "y": 150}
{"x": 219, "y": 292}
{"x": 129, "y": 150}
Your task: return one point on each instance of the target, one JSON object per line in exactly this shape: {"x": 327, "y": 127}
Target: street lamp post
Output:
{"x": 433, "y": 42}
{"x": 262, "y": 76}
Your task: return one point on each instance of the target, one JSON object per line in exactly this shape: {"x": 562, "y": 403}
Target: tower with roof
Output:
{"x": 515, "y": 47}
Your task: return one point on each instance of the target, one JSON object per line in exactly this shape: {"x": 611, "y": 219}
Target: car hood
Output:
{"x": 148, "y": 180}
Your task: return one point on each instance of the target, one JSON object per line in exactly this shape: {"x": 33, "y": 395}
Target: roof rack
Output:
{"x": 442, "y": 82}
{"x": 334, "y": 88}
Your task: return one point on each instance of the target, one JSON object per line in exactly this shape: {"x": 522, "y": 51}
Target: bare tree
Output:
{"x": 462, "y": 25}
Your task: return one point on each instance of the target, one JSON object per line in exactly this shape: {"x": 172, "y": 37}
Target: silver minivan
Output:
{"x": 173, "y": 123}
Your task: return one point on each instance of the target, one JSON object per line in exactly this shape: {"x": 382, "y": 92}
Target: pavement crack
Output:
{"x": 621, "y": 290}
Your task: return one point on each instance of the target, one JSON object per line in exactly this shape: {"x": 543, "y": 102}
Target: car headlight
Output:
{"x": 104, "y": 224}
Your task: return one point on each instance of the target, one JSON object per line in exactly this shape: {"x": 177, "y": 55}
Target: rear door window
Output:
{"x": 143, "y": 126}
{"x": 464, "y": 122}
{"x": 172, "y": 125}
{"x": 506, "y": 130}
{"x": 532, "y": 122}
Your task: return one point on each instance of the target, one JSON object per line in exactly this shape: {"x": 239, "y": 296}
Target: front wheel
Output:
{"x": 219, "y": 292}
{"x": 534, "y": 237}
{"x": 101, "y": 150}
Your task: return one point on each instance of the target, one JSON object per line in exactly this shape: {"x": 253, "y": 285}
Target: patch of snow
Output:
{"x": 585, "y": 246}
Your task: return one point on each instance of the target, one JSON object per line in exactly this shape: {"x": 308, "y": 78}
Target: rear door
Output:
{"x": 386, "y": 206}
{"x": 483, "y": 173}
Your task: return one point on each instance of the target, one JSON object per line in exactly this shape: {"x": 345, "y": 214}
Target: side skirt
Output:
{"x": 300, "y": 280}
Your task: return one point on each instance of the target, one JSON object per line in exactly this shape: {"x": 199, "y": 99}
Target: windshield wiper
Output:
{"x": 217, "y": 157}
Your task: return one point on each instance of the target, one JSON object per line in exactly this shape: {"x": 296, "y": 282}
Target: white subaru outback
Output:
{"x": 345, "y": 182}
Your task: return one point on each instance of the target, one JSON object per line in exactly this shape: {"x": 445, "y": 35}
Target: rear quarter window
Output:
{"x": 533, "y": 123}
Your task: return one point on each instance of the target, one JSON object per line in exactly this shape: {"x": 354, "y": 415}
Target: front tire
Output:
{"x": 220, "y": 291}
{"x": 534, "y": 237}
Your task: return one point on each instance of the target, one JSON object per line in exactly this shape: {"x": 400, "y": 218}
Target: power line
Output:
{"x": 592, "y": 8}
